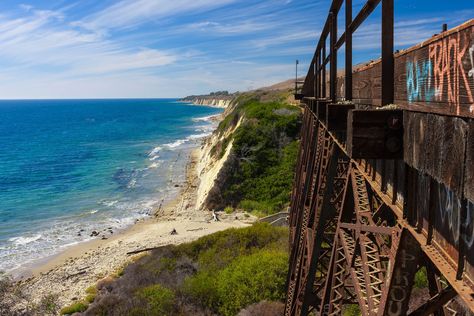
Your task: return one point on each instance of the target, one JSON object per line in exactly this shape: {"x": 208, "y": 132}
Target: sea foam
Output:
{"x": 22, "y": 240}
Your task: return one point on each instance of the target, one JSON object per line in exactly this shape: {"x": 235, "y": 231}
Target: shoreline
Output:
{"x": 68, "y": 274}
{"x": 29, "y": 268}
{"x": 213, "y": 103}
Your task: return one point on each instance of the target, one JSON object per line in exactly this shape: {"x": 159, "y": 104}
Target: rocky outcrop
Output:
{"x": 220, "y": 99}
{"x": 218, "y": 103}
{"x": 212, "y": 166}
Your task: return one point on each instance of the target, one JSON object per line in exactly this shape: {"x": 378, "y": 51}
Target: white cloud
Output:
{"x": 37, "y": 41}
{"x": 290, "y": 36}
{"x": 128, "y": 13}
{"x": 242, "y": 27}
{"x": 26, "y": 7}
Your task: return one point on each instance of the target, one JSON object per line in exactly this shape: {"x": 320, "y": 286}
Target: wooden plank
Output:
{"x": 367, "y": 85}
{"x": 468, "y": 221}
{"x": 336, "y": 116}
{"x": 447, "y": 222}
{"x": 469, "y": 171}
{"x": 376, "y": 134}
{"x": 436, "y": 145}
{"x": 321, "y": 106}
{"x": 468, "y": 239}
{"x": 436, "y": 76}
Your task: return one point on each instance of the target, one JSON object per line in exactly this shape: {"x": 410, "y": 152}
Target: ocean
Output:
{"x": 72, "y": 167}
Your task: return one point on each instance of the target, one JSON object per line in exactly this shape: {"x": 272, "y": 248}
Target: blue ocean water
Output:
{"x": 69, "y": 167}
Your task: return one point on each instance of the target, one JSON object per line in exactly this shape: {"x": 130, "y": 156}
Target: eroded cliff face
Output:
{"x": 220, "y": 99}
{"x": 218, "y": 103}
{"x": 247, "y": 162}
{"x": 214, "y": 160}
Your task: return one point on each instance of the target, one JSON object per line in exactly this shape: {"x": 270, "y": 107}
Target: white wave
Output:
{"x": 155, "y": 151}
{"x": 153, "y": 158}
{"x": 93, "y": 211}
{"x": 204, "y": 118}
{"x": 205, "y": 128}
{"x": 154, "y": 165}
{"x": 109, "y": 203}
{"x": 24, "y": 240}
{"x": 198, "y": 136}
{"x": 180, "y": 142}
{"x": 132, "y": 184}
{"x": 175, "y": 144}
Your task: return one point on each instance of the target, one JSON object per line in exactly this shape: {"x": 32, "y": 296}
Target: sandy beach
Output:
{"x": 70, "y": 273}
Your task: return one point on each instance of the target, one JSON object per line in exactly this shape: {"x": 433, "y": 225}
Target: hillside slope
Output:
{"x": 258, "y": 142}
{"x": 249, "y": 165}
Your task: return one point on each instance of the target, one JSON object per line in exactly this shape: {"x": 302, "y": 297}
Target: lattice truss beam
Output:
{"x": 347, "y": 247}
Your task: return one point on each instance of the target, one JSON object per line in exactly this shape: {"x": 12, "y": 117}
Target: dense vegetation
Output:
{"x": 220, "y": 274}
{"x": 225, "y": 272}
{"x": 259, "y": 173}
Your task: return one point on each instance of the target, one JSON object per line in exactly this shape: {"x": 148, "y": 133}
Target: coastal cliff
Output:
{"x": 219, "y": 99}
{"x": 218, "y": 103}
{"x": 244, "y": 168}
{"x": 251, "y": 155}
{"x": 242, "y": 171}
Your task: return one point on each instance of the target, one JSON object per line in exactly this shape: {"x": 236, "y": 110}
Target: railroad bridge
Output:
{"x": 385, "y": 175}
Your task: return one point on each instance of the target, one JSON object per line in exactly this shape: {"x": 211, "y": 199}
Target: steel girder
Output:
{"x": 348, "y": 246}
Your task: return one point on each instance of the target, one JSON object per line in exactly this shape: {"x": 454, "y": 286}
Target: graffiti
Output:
{"x": 449, "y": 208}
{"x": 468, "y": 226}
{"x": 401, "y": 279}
{"x": 471, "y": 72}
{"x": 449, "y": 76}
{"x": 471, "y": 57}
{"x": 419, "y": 85}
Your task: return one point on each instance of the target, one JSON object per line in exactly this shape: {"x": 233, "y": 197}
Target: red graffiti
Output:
{"x": 447, "y": 56}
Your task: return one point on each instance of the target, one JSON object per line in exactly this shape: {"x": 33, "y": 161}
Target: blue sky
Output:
{"x": 173, "y": 48}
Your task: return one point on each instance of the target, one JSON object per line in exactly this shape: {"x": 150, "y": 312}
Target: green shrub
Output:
{"x": 251, "y": 279}
{"x": 168, "y": 264}
{"x": 352, "y": 310}
{"x": 247, "y": 280}
{"x": 159, "y": 300}
{"x": 202, "y": 289}
{"x": 219, "y": 249}
{"x": 229, "y": 210}
{"x": 265, "y": 149}
{"x": 78, "y": 307}
{"x": 91, "y": 294}
{"x": 421, "y": 279}
{"x": 218, "y": 252}
{"x": 170, "y": 279}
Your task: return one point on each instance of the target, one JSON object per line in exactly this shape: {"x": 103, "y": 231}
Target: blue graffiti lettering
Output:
{"x": 419, "y": 87}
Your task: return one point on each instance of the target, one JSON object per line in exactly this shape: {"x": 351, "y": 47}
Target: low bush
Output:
{"x": 250, "y": 279}
{"x": 91, "y": 294}
{"x": 74, "y": 308}
{"x": 352, "y": 310}
{"x": 158, "y": 300}
{"x": 194, "y": 278}
{"x": 421, "y": 279}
